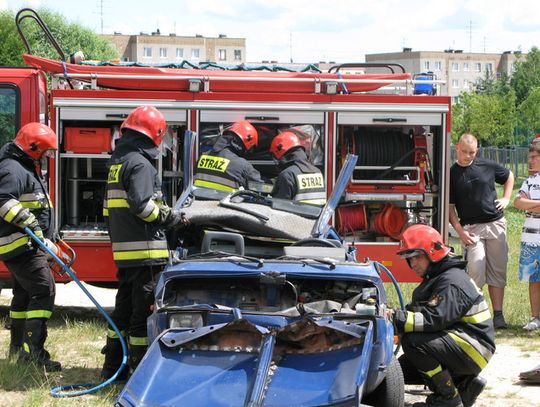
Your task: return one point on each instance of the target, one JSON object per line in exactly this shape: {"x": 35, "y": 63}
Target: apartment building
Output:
{"x": 156, "y": 48}
{"x": 459, "y": 70}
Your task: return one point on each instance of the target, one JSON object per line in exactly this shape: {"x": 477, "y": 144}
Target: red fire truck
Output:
{"x": 401, "y": 139}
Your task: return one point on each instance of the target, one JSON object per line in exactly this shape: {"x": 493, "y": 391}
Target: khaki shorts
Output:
{"x": 488, "y": 258}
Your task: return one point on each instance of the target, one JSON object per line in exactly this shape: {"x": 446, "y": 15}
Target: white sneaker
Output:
{"x": 533, "y": 324}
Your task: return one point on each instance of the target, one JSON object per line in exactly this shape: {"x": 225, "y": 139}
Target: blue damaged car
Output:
{"x": 264, "y": 305}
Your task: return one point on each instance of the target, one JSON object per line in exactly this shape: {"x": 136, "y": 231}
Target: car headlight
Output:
{"x": 186, "y": 320}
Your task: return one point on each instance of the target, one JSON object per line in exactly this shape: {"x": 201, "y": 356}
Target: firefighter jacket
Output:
{"x": 23, "y": 200}
{"x": 448, "y": 300}
{"x": 134, "y": 205}
{"x": 299, "y": 180}
{"x": 223, "y": 168}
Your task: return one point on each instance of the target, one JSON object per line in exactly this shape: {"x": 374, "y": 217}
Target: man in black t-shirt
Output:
{"x": 477, "y": 216}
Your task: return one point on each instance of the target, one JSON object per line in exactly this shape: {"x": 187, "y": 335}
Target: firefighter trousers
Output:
{"x": 33, "y": 286}
{"x": 133, "y": 301}
{"x": 426, "y": 351}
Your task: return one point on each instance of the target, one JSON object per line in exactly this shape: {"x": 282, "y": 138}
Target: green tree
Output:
{"x": 490, "y": 117}
{"x": 529, "y": 112}
{"x": 526, "y": 75}
{"x": 71, "y": 38}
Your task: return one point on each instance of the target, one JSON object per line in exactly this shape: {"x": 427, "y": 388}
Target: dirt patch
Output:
{"x": 503, "y": 386}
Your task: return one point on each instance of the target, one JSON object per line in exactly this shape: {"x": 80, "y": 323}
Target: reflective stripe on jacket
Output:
{"x": 21, "y": 189}
{"x": 133, "y": 202}
{"x": 301, "y": 186}
{"x": 224, "y": 171}
{"x": 448, "y": 300}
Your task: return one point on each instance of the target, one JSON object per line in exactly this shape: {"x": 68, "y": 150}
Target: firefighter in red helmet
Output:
{"x": 25, "y": 202}
{"x": 225, "y": 168}
{"x": 137, "y": 219}
{"x": 299, "y": 180}
{"x": 447, "y": 329}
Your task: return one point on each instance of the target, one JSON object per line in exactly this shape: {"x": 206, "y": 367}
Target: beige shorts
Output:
{"x": 488, "y": 257}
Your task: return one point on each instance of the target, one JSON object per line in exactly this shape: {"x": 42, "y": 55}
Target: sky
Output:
{"x": 315, "y": 30}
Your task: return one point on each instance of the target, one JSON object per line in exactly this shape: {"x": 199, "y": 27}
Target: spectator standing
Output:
{"x": 528, "y": 199}
{"x": 477, "y": 215}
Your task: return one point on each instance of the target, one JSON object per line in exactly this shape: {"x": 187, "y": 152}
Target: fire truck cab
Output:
{"x": 401, "y": 139}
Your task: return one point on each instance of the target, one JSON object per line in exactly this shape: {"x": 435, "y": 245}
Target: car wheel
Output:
{"x": 391, "y": 391}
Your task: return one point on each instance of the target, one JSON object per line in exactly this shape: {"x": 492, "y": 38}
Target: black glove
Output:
{"x": 176, "y": 220}
{"x": 26, "y": 219}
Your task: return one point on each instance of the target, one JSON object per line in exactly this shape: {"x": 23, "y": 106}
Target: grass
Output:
{"x": 76, "y": 339}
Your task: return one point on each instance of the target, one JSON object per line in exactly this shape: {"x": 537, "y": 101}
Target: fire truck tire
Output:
{"x": 391, "y": 391}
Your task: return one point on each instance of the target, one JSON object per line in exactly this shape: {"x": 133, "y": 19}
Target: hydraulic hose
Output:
{"x": 398, "y": 290}
{"x": 73, "y": 390}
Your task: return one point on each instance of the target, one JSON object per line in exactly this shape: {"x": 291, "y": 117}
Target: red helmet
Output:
{"x": 424, "y": 239}
{"x": 283, "y": 142}
{"x": 247, "y": 133}
{"x": 35, "y": 139}
{"x": 148, "y": 121}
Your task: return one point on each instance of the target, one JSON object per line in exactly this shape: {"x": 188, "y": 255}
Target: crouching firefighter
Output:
{"x": 24, "y": 202}
{"x": 137, "y": 220}
{"x": 447, "y": 328}
{"x": 299, "y": 180}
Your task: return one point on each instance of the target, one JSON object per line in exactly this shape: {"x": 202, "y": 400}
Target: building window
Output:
{"x": 163, "y": 52}
{"x": 147, "y": 52}
{"x": 195, "y": 53}
{"x": 455, "y": 83}
{"x": 465, "y": 67}
{"x": 426, "y": 66}
{"x": 465, "y": 84}
{"x": 489, "y": 67}
{"x": 455, "y": 66}
{"x": 179, "y": 53}
{"x": 478, "y": 67}
{"x": 237, "y": 54}
{"x": 222, "y": 54}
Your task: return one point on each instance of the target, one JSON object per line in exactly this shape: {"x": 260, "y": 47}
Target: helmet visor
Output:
{"x": 407, "y": 254}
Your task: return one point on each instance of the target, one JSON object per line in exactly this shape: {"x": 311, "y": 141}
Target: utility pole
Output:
{"x": 101, "y": 14}
{"x": 470, "y": 36}
{"x": 290, "y": 46}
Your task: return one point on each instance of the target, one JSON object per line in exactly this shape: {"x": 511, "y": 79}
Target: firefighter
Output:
{"x": 447, "y": 329}
{"x": 225, "y": 168}
{"x": 24, "y": 202}
{"x": 137, "y": 219}
{"x": 299, "y": 180}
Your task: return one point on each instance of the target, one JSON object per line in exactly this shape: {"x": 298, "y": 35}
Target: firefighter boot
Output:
{"x": 113, "y": 359}
{"x": 445, "y": 393}
{"x": 136, "y": 353}
{"x": 35, "y": 334}
{"x": 470, "y": 388}
{"x": 17, "y": 334}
